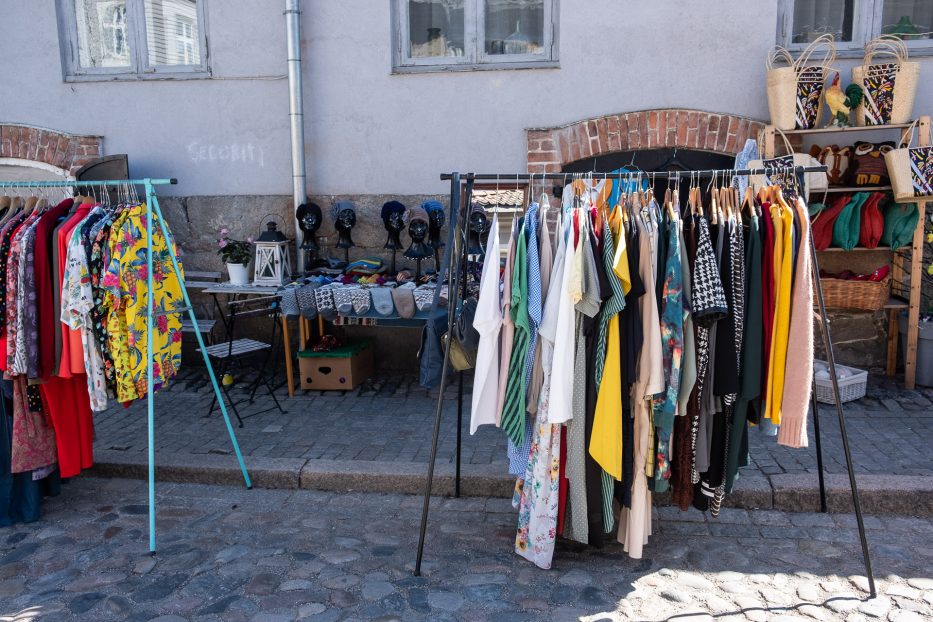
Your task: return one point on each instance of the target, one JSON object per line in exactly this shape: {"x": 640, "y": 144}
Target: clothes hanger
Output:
{"x": 31, "y": 202}
{"x": 713, "y": 209}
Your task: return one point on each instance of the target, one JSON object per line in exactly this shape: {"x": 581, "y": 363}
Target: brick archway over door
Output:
{"x": 550, "y": 149}
{"x": 65, "y": 151}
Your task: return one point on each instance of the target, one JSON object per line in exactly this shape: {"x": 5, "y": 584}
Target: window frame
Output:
{"x": 866, "y": 26}
{"x": 139, "y": 68}
{"x": 474, "y": 56}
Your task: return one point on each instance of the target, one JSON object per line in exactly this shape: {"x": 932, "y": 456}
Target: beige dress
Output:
{"x": 635, "y": 522}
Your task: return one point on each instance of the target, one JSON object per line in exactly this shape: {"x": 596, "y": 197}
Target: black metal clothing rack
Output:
{"x": 454, "y": 264}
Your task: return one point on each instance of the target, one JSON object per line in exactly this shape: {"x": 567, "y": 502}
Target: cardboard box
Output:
{"x": 340, "y": 369}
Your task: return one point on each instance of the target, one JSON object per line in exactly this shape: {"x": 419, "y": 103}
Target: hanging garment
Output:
{"x": 672, "y": 343}
{"x": 709, "y": 306}
{"x": 682, "y": 469}
{"x": 126, "y": 281}
{"x": 488, "y": 323}
{"x": 508, "y": 327}
{"x": 783, "y": 256}
{"x": 20, "y": 493}
{"x": 539, "y": 506}
{"x": 65, "y": 368}
{"x": 635, "y": 522}
{"x": 799, "y": 367}
{"x": 513, "y": 410}
{"x": 751, "y": 357}
{"x": 546, "y": 261}
{"x": 79, "y": 214}
{"x": 77, "y": 300}
{"x": 46, "y": 288}
{"x": 606, "y": 441}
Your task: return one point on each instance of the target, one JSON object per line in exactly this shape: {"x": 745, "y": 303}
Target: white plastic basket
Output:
{"x": 850, "y": 388}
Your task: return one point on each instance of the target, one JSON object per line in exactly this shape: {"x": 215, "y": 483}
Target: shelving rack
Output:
{"x": 914, "y": 257}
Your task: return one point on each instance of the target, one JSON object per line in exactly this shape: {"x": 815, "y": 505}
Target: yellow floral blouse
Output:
{"x": 126, "y": 284}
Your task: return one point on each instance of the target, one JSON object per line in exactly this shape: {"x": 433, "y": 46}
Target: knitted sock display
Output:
{"x": 424, "y": 297}
{"x": 382, "y": 300}
{"x": 361, "y": 300}
{"x": 343, "y": 300}
{"x": 324, "y": 298}
{"x": 404, "y": 301}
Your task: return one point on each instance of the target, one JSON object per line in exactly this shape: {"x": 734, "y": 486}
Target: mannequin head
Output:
{"x": 393, "y": 218}
{"x": 479, "y": 223}
{"x": 309, "y": 221}
{"x": 418, "y": 230}
{"x": 436, "y": 219}
{"x": 344, "y": 221}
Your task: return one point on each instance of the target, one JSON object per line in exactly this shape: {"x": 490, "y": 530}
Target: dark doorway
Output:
{"x": 653, "y": 160}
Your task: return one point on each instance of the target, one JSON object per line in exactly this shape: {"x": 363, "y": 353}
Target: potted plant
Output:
{"x": 236, "y": 254}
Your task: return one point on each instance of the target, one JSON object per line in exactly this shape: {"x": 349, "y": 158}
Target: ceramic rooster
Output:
{"x": 842, "y": 103}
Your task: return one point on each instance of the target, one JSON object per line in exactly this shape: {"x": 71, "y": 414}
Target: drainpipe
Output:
{"x": 296, "y": 115}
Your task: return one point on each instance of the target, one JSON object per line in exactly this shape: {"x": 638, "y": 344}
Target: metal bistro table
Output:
{"x": 234, "y": 292}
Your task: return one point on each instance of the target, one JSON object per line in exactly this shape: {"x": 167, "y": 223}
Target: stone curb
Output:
{"x": 879, "y": 494}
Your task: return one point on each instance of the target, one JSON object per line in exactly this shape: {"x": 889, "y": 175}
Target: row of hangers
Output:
{"x": 31, "y": 198}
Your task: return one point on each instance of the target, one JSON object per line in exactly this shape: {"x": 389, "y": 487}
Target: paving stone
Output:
{"x": 843, "y": 602}
{"x": 294, "y": 585}
{"x": 85, "y": 602}
{"x": 445, "y": 600}
{"x": 905, "y": 616}
{"x": 876, "y": 607}
{"x": 920, "y": 583}
{"x": 577, "y": 578}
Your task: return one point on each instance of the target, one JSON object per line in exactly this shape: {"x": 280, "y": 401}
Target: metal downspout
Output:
{"x": 296, "y": 116}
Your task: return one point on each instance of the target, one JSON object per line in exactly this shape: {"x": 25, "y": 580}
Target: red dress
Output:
{"x": 65, "y": 396}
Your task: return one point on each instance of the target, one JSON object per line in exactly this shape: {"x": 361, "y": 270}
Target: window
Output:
{"x": 854, "y": 22}
{"x": 474, "y": 34}
{"x": 132, "y": 39}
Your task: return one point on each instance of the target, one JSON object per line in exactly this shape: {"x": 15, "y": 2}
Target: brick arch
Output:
{"x": 68, "y": 152}
{"x": 550, "y": 149}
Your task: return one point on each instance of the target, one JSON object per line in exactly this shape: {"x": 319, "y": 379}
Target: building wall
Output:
{"x": 369, "y": 131}
{"x": 372, "y": 135}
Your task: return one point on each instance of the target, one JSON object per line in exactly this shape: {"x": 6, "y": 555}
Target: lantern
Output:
{"x": 273, "y": 264}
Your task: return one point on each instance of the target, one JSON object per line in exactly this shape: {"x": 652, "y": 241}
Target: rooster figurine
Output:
{"x": 842, "y": 103}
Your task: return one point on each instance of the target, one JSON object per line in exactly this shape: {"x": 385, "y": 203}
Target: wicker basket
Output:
{"x": 851, "y": 388}
{"x": 857, "y": 295}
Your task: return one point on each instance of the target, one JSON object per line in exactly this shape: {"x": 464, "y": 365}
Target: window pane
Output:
{"x": 514, "y": 26}
{"x": 103, "y": 34}
{"x": 172, "y": 32}
{"x": 813, "y": 18}
{"x": 435, "y": 28}
{"x": 909, "y": 19}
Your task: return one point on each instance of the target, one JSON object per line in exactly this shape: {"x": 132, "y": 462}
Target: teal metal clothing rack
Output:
{"x": 152, "y": 206}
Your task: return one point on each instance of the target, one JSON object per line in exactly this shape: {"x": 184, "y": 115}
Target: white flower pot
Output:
{"x": 239, "y": 275}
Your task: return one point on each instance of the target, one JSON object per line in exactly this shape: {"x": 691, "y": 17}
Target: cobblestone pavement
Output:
{"x": 391, "y": 419}
{"x": 271, "y": 555}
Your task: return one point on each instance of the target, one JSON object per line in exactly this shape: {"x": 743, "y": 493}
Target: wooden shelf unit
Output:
{"x": 916, "y": 249}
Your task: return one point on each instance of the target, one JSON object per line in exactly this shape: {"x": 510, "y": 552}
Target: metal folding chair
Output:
{"x": 243, "y": 355}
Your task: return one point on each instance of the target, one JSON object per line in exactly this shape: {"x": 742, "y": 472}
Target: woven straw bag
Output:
{"x": 910, "y": 169}
{"x": 795, "y": 92}
{"x": 889, "y": 86}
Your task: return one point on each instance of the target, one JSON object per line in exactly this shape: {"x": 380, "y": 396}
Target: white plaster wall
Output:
{"x": 371, "y": 132}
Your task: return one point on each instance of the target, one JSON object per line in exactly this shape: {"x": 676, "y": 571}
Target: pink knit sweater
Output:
{"x": 799, "y": 368}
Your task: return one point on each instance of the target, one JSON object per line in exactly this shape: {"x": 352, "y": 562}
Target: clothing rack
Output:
{"x": 152, "y": 206}
{"x": 452, "y": 266}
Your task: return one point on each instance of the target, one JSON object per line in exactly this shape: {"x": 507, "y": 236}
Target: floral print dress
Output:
{"x": 126, "y": 281}
{"x": 77, "y": 302}
{"x": 538, "y": 504}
